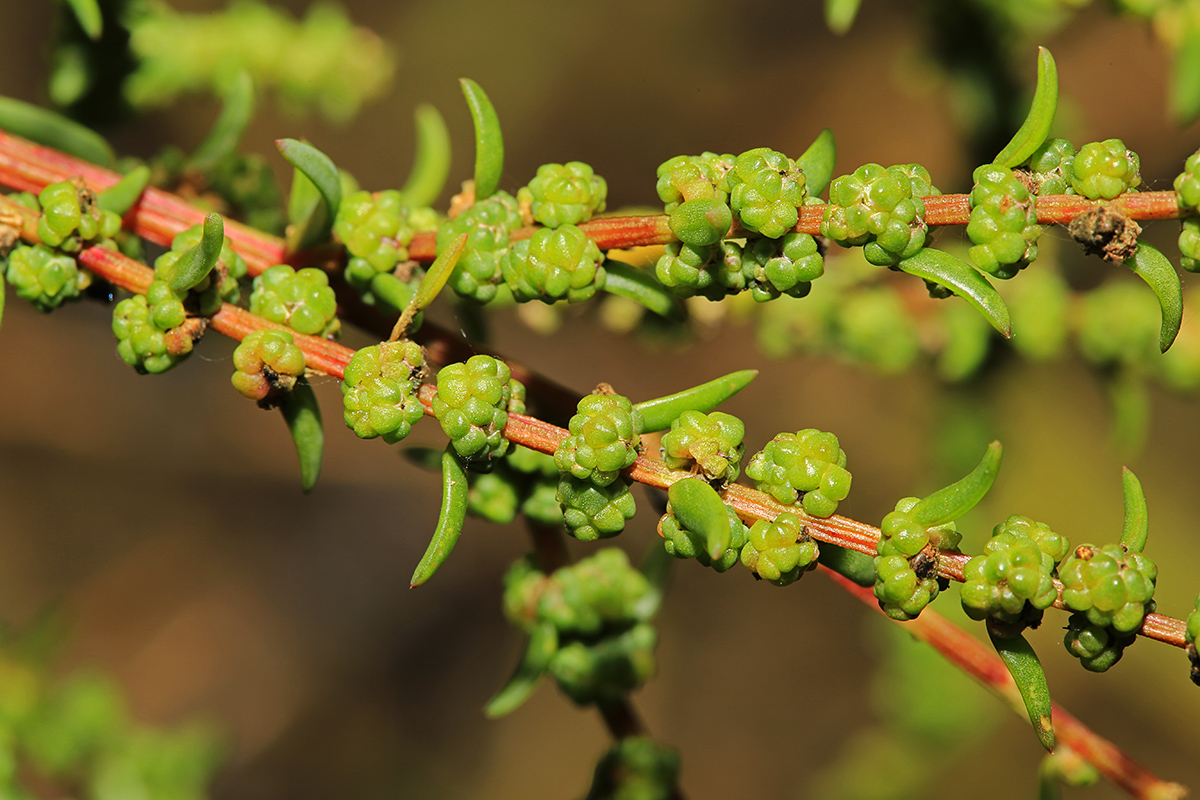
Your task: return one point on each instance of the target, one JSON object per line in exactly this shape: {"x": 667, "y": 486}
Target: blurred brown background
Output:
{"x": 163, "y": 513}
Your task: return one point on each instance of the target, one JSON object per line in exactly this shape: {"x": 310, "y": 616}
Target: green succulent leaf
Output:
{"x": 489, "y": 144}
{"x": 700, "y": 509}
{"x": 54, "y": 130}
{"x": 541, "y": 647}
{"x": 858, "y": 567}
{"x": 1033, "y": 130}
{"x": 121, "y": 196}
{"x": 1184, "y": 91}
{"x": 659, "y": 413}
{"x": 1137, "y": 519}
{"x": 840, "y": 14}
{"x": 195, "y": 264}
{"x": 318, "y": 168}
{"x": 439, "y": 272}
{"x": 964, "y": 280}
{"x": 431, "y": 164}
{"x": 87, "y": 12}
{"x": 1159, "y": 274}
{"x": 450, "y": 520}
{"x": 948, "y": 504}
{"x": 230, "y": 126}
{"x": 1023, "y": 664}
{"x": 303, "y": 418}
{"x": 817, "y": 162}
{"x": 626, "y": 280}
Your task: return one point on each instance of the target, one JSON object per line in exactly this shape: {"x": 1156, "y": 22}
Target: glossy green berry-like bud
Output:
{"x": 1003, "y": 223}
{"x": 1051, "y": 167}
{"x": 1189, "y": 244}
{"x": 900, "y": 533}
{"x": 635, "y": 768}
{"x": 766, "y": 191}
{"x": 472, "y": 405}
{"x": 375, "y": 227}
{"x": 702, "y": 177}
{"x": 71, "y": 220}
{"x": 592, "y": 512}
{"x": 165, "y": 306}
{"x": 564, "y": 194}
{"x": 808, "y": 462}
{"x": 1012, "y": 574}
{"x": 604, "y": 439}
{"x": 905, "y": 568}
{"x": 901, "y": 590}
{"x": 220, "y": 285}
{"x": 266, "y": 363}
{"x": 1192, "y": 632}
{"x": 683, "y": 543}
{"x": 711, "y": 443}
{"x": 780, "y": 551}
{"x": 1104, "y": 170}
{"x": 494, "y": 496}
{"x": 1187, "y": 183}
{"x": 540, "y": 493}
{"x": 45, "y": 277}
{"x": 598, "y": 594}
{"x": 700, "y": 222}
{"x": 142, "y": 344}
{"x": 379, "y": 390}
{"x": 1055, "y": 545}
{"x": 784, "y": 266}
{"x": 876, "y": 208}
{"x": 554, "y": 264}
{"x": 1111, "y": 586}
{"x": 1097, "y": 647}
{"x": 604, "y": 671}
{"x": 300, "y": 299}
{"x": 487, "y": 225}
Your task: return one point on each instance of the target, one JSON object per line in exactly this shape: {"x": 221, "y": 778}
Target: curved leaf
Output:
{"x": 541, "y": 647}
{"x": 318, "y": 168}
{"x": 450, "y": 520}
{"x": 54, "y": 130}
{"x": 964, "y": 280}
{"x": 659, "y": 413}
{"x": 431, "y": 164}
{"x": 817, "y": 162}
{"x": 303, "y": 418}
{"x": 948, "y": 504}
{"x": 840, "y": 14}
{"x": 489, "y": 144}
{"x": 1184, "y": 91}
{"x": 700, "y": 509}
{"x": 1159, "y": 274}
{"x": 230, "y": 126}
{"x": 431, "y": 284}
{"x": 121, "y": 196}
{"x": 195, "y": 264}
{"x": 626, "y": 280}
{"x": 1022, "y": 663}
{"x": 87, "y": 12}
{"x": 1137, "y": 517}
{"x": 1033, "y": 130}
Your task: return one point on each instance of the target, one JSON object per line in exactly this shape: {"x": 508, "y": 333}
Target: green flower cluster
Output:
{"x": 267, "y": 364}
{"x": 592, "y": 512}
{"x": 636, "y": 768}
{"x": 379, "y": 390}
{"x": 766, "y": 191}
{"x": 524, "y": 481}
{"x": 1110, "y": 590}
{"x": 376, "y": 230}
{"x": 683, "y": 543}
{"x": 149, "y": 329}
{"x": 563, "y": 194}
{"x": 554, "y": 264}
{"x": 302, "y": 300}
{"x": 711, "y": 443}
{"x": 45, "y": 277}
{"x": 472, "y": 404}
{"x": 487, "y": 224}
{"x": 880, "y": 209}
{"x": 1003, "y": 223}
{"x": 603, "y": 439}
{"x": 1191, "y": 634}
{"x": 1105, "y": 170}
{"x": 906, "y": 577}
{"x": 71, "y": 220}
{"x": 1187, "y": 190}
{"x": 780, "y": 551}
{"x": 711, "y": 270}
{"x": 1012, "y": 581}
{"x": 220, "y": 286}
{"x": 1051, "y": 165}
{"x": 598, "y": 609}
{"x": 782, "y": 266}
{"x": 809, "y": 462}
{"x": 685, "y": 178}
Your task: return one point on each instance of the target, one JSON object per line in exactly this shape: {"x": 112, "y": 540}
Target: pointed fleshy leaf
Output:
{"x": 307, "y": 218}
{"x": 319, "y": 169}
{"x": 964, "y": 280}
{"x": 1184, "y": 91}
{"x": 858, "y": 567}
{"x": 840, "y": 14}
{"x": 87, "y": 12}
{"x": 194, "y": 265}
{"x": 817, "y": 163}
{"x": 1023, "y": 664}
{"x": 659, "y": 413}
{"x": 303, "y": 418}
{"x": 700, "y": 509}
{"x": 121, "y": 196}
{"x": 1033, "y": 130}
{"x": 625, "y": 280}
{"x": 54, "y": 130}
{"x": 1159, "y": 274}
{"x": 489, "y": 144}
{"x": 450, "y": 520}
{"x": 431, "y": 164}
{"x": 227, "y": 131}
{"x": 1137, "y": 517}
{"x": 439, "y": 272}
{"x": 948, "y": 504}
{"x": 541, "y": 647}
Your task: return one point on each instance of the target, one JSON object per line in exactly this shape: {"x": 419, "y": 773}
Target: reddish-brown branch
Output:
{"x": 974, "y": 658}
